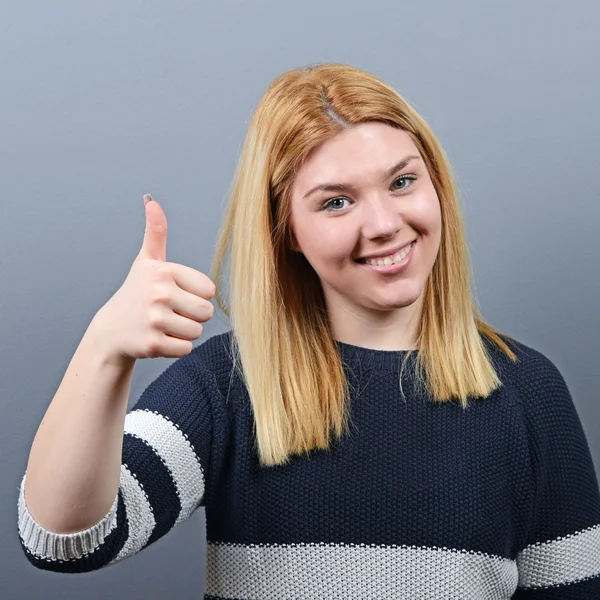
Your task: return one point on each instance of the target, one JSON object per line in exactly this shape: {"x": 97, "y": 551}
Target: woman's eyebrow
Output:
{"x": 340, "y": 187}
{"x": 400, "y": 165}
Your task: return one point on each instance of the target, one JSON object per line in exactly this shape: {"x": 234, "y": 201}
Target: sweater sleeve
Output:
{"x": 165, "y": 466}
{"x": 560, "y": 558}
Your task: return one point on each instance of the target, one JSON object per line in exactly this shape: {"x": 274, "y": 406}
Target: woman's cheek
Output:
{"x": 425, "y": 213}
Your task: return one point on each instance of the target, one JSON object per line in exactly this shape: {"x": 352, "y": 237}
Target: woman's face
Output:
{"x": 368, "y": 207}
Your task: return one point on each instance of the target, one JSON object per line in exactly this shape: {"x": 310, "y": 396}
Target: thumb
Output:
{"x": 155, "y": 236}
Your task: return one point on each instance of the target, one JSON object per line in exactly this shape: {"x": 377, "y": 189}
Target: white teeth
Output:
{"x": 390, "y": 260}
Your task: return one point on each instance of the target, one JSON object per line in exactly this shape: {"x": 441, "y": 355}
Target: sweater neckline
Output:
{"x": 370, "y": 357}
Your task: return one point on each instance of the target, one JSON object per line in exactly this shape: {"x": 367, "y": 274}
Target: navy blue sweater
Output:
{"x": 421, "y": 500}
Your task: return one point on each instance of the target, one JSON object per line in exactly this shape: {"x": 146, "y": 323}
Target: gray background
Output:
{"x": 102, "y": 102}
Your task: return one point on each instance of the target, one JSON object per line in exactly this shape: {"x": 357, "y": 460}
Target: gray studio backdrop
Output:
{"x": 102, "y": 102}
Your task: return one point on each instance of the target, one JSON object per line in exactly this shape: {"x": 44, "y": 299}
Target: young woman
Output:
{"x": 361, "y": 431}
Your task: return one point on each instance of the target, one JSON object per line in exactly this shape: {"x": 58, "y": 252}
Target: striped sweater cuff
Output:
{"x": 61, "y": 546}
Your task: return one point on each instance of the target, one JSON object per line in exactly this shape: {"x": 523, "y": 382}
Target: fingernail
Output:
{"x": 147, "y": 198}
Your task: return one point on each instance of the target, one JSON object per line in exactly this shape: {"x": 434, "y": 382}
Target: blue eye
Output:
{"x": 325, "y": 207}
{"x": 403, "y": 178}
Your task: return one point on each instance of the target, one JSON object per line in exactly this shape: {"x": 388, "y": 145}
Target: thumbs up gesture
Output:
{"x": 160, "y": 307}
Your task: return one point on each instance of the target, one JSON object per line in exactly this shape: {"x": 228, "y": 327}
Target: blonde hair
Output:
{"x": 280, "y": 330}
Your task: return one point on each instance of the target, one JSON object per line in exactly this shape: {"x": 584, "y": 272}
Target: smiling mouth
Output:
{"x": 389, "y": 260}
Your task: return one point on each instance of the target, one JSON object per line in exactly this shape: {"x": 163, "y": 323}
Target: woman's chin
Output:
{"x": 393, "y": 299}
{"x": 389, "y": 304}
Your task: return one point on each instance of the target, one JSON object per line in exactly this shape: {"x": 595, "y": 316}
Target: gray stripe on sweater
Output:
{"x": 564, "y": 560}
{"x": 308, "y": 571}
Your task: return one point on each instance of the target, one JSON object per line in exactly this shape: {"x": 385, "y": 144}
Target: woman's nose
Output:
{"x": 381, "y": 217}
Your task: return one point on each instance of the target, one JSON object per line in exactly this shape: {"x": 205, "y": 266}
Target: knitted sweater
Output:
{"x": 421, "y": 500}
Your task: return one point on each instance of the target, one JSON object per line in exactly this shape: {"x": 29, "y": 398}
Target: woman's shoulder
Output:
{"x": 531, "y": 364}
{"x": 215, "y": 350}
{"x": 214, "y": 357}
{"x": 536, "y": 378}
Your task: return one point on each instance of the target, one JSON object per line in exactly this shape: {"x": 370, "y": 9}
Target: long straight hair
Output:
{"x": 281, "y": 334}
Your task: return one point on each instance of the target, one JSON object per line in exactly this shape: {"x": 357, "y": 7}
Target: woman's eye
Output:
{"x": 330, "y": 202}
{"x": 405, "y": 178}
{"x": 328, "y": 206}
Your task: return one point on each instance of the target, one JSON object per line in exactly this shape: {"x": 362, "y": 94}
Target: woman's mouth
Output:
{"x": 393, "y": 264}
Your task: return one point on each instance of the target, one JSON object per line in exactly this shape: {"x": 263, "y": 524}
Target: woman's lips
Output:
{"x": 391, "y": 269}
